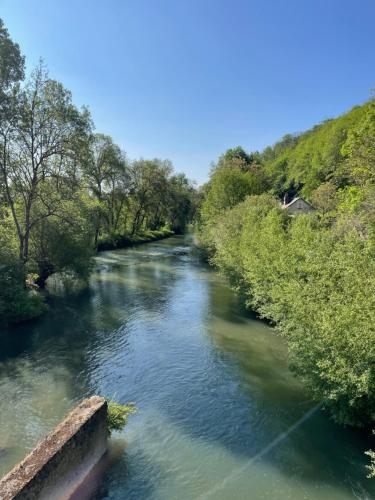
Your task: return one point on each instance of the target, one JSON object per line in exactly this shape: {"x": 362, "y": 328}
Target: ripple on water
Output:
{"x": 217, "y": 406}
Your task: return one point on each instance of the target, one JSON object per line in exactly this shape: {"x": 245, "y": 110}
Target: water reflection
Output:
{"x": 211, "y": 383}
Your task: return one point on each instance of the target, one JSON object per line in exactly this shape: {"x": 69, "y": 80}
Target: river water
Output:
{"x": 219, "y": 414}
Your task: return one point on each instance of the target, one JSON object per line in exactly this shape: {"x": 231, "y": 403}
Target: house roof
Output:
{"x": 296, "y": 199}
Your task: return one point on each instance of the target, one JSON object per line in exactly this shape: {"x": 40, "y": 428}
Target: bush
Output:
{"x": 17, "y": 304}
{"x": 118, "y": 415}
{"x": 317, "y": 284}
{"x": 62, "y": 246}
{"x": 117, "y": 240}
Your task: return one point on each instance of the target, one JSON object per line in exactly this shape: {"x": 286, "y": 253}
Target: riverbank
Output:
{"x": 33, "y": 303}
{"x": 307, "y": 278}
{"x": 118, "y": 241}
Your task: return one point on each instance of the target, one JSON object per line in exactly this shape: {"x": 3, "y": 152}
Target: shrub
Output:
{"x": 317, "y": 284}
{"x": 16, "y": 302}
{"x": 118, "y": 415}
{"x": 117, "y": 240}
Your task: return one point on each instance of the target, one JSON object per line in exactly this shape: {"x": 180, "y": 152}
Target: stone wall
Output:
{"x": 61, "y": 462}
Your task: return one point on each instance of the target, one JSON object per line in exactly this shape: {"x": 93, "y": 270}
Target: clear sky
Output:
{"x": 186, "y": 79}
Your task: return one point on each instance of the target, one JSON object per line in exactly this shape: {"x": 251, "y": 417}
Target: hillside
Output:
{"x": 301, "y": 163}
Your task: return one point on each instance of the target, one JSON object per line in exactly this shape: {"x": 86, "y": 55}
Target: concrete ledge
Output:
{"x": 61, "y": 462}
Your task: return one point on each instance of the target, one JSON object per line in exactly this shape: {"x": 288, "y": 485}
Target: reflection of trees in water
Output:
{"x": 133, "y": 474}
{"x": 254, "y": 348}
{"x": 78, "y": 322}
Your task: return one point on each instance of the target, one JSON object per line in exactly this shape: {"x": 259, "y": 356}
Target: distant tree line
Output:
{"x": 311, "y": 275}
{"x": 65, "y": 190}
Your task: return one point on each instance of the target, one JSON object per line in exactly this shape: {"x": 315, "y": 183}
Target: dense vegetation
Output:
{"x": 312, "y": 275}
{"x": 65, "y": 190}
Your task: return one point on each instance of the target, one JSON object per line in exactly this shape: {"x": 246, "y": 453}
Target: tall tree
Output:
{"x": 12, "y": 62}
{"x": 180, "y": 203}
{"x": 39, "y": 143}
{"x": 149, "y": 193}
{"x": 103, "y": 170}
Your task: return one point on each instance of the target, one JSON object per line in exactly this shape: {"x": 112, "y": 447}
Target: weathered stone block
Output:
{"x": 61, "y": 462}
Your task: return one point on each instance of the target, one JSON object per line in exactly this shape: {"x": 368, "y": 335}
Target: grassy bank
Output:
{"x": 126, "y": 240}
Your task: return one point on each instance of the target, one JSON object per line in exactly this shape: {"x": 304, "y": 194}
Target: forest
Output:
{"x": 67, "y": 191}
{"x": 311, "y": 275}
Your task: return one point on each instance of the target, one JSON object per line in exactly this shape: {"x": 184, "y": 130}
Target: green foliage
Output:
{"x": 65, "y": 191}
{"x": 359, "y": 149}
{"x": 301, "y": 163}
{"x": 180, "y": 203}
{"x": 350, "y": 199}
{"x": 11, "y": 60}
{"x": 62, "y": 244}
{"x": 117, "y": 240}
{"x": 238, "y": 158}
{"x": 236, "y": 176}
{"x": 16, "y": 302}
{"x": 325, "y": 197}
{"x": 118, "y": 415}
{"x": 132, "y": 197}
{"x": 312, "y": 275}
{"x": 318, "y": 287}
{"x": 228, "y": 187}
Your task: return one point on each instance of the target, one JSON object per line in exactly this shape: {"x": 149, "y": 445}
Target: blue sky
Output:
{"x": 186, "y": 79}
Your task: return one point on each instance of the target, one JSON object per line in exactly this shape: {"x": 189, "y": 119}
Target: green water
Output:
{"x": 219, "y": 414}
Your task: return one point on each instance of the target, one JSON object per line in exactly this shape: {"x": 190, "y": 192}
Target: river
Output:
{"x": 219, "y": 414}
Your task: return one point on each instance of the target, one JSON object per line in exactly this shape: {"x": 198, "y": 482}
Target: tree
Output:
{"x": 62, "y": 186}
{"x": 105, "y": 171}
{"x": 228, "y": 187}
{"x": 300, "y": 163}
{"x": 118, "y": 191}
{"x": 180, "y": 202}
{"x": 62, "y": 243}
{"x": 39, "y": 144}
{"x": 16, "y": 302}
{"x": 12, "y": 62}
{"x": 149, "y": 180}
{"x": 359, "y": 148}
{"x": 237, "y": 158}
{"x": 325, "y": 197}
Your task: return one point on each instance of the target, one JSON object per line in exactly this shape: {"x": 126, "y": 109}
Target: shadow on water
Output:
{"x": 96, "y": 486}
{"x": 211, "y": 382}
{"x": 129, "y": 467}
